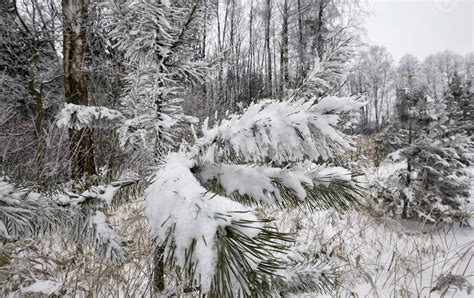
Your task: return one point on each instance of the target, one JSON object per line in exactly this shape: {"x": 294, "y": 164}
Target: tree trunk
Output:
{"x": 267, "y": 47}
{"x": 158, "y": 270}
{"x": 320, "y": 45}
{"x": 376, "y": 106}
{"x": 232, "y": 73}
{"x": 38, "y": 96}
{"x": 284, "y": 49}
{"x": 75, "y": 83}
{"x": 251, "y": 55}
{"x": 301, "y": 44}
{"x": 409, "y": 169}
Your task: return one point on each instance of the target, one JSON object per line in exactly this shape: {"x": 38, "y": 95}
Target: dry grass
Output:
{"x": 78, "y": 270}
{"x": 376, "y": 257}
{"x": 379, "y": 257}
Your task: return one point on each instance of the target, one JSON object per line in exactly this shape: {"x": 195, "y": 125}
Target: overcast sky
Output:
{"x": 421, "y": 27}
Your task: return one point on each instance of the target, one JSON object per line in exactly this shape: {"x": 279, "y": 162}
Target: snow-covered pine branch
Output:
{"x": 28, "y": 213}
{"x": 147, "y": 27}
{"x": 92, "y": 227}
{"x": 281, "y": 132}
{"x": 103, "y": 195}
{"x": 199, "y": 228}
{"x": 303, "y": 272}
{"x": 267, "y": 155}
{"x": 24, "y": 213}
{"x": 317, "y": 187}
{"x": 90, "y": 224}
{"x": 328, "y": 73}
{"x": 78, "y": 116}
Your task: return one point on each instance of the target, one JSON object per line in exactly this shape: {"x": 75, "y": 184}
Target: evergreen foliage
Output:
{"x": 201, "y": 201}
{"x": 433, "y": 137}
{"x": 270, "y": 154}
{"x": 200, "y": 205}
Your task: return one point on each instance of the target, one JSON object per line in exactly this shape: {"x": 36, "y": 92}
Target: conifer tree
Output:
{"x": 203, "y": 201}
{"x": 433, "y": 138}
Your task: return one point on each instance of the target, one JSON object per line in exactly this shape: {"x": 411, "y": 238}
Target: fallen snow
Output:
{"x": 47, "y": 287}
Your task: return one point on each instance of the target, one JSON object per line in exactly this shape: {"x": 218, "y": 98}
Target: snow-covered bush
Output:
{"x": 439, "y": 187}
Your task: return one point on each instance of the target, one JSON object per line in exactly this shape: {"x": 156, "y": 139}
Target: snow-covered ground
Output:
{"x": 379, "y": 257}
{"x": 382, "y": 257}
{"x": 376, "y": 256}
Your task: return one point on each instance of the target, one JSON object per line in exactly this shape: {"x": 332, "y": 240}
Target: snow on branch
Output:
{"x": 109, "y": 244}
{"x": 106, "y": 194}
{"x": 79, "y": 116}
{"x": 256, "y": 182}
{"x": 24, "y": 214}
{"x": 304, "y": 273}
{"x": 91, "y": 227}
{"x": 186, "y": 218}
{"x": 281, "y": 131}
{"x": 294, "y": 186}
{"x": 27, "y": 213}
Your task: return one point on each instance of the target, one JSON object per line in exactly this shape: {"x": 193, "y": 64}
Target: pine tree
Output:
{"x": 157, "y": 46}
{"x": 460, "y": 106}
{"x": 201, "y": 202}
{"x": 434, "y": 143}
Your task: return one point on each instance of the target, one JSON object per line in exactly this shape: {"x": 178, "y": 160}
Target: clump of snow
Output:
{"x": 259, "y": 182}
{"x": 395, "y": 156}
{"x": 256, "y": 182}
{"x": 325, "y": 175}
{"x": 79, "y": 116}
{"x": 177, "y": 203}
{"x": 106, "y": 193}
{"x": 107, "y": 237}
{"x": 46, "y": 287}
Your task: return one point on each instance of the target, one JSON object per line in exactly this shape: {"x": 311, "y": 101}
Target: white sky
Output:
{"x": 421, "y": 27}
